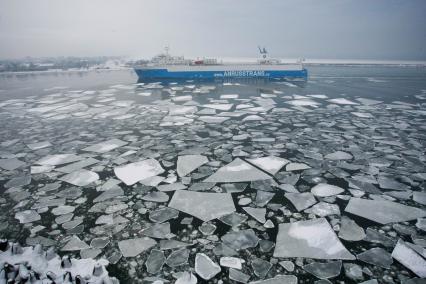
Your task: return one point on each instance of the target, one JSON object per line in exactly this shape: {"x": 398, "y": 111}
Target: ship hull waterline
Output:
{"x": 164, "y": 73}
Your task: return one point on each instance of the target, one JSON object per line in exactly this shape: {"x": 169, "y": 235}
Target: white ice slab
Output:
{"x": 237, "y": 171}
{"x": 203, "y": 205}
{"x": 324, "y": 190}
{"x": 187, "y": 163}
{"x": 271, "y": 164}
{"x": 311, "y": 239}
{"x": 134, "y": 172}
{"x": 59, "y": 159}
{"x": 80, "y": 177}
{"x": 105, "y": 146}
{"x": 382, "y": 211}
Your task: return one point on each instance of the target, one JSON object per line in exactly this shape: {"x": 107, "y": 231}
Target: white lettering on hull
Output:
{"x": 242, "y": 73}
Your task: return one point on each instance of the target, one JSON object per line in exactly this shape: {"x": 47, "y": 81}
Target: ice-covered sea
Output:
{"x": 106, "y": 180}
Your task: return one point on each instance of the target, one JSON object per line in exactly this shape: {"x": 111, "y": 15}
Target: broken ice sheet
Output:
{"x": 188, "y": 163}
{"x": 59, "y": 159}
{"x": 205, "y": 267}
{"x": 80, "y": 177}
{"x": 311, "y": 239}
{"x": 382, "y": 211}
{"x": 324, "y": 190}
{"x": 134, "y": 172}
{"x": 39, "y": 145}
{"x": 204, "y": 206}
{"x": 237, "y": 171}
{"x": 11, "y": 164}
{"x": 75, "y": 244}
{"x": 27, "y": 216}
{"x": 105, "y": 146}
{"x": 271, "y": 164}
{"x": 407, "y": 256}
{"x": 239, "y": 240}
{"x": 134, "y": 247}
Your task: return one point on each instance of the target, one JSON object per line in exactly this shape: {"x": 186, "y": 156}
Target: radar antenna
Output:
{"x": 263, "y": 51}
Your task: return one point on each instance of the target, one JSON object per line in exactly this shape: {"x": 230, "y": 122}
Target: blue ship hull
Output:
{"x": 147, "y": 74}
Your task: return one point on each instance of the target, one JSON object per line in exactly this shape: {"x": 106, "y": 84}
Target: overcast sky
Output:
{"x": 328, "y": 29}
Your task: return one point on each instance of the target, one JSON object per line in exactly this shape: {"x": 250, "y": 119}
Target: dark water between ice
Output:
{"x": 96, "y": 106}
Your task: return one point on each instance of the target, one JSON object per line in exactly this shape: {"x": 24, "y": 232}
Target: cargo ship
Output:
{"x": 165, "y": 66}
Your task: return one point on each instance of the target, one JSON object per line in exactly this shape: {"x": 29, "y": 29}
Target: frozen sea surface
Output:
{"x": 199, "y": 182}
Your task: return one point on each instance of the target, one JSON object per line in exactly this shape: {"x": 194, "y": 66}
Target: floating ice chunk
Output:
{"x": 108, "y": 194}
{"x": 368, "y": 102}
{"x": 260, "y": 267}
{"x": 324, "y": 190}
{"x": 419, "y": 197}
{"x": 62, "y": 210}
{"x": 382, "y": 211}
{"x": 11, "y": 164}
{"x": 238, "y": 276}
{"x": 310, "y": 239}
{"x": 376, "y": 256}
{"x": 324, "y": 270}
{"x": 27, "y": 216}
{"x": 178, "y": 257}
{"x": 279, "y": 279}
{"x": 410, "y": 258}
{"x": 59, "y": 159}
{"x": 158, "y": 231}
{"x": 41, "y": 169}
{"x": 232, "y": 262}
{"x": 253, "y": 118}
{"x": 338, "y": 155}
{"x": 362, "y": 114}
{"x": 134, "y": 172}
{"x": 229, "y": 96}
{"x": 156, "y": 196}
{"x": 241, "y": 239}
{"x": 77, "y": 165}
{"x": 39, "y": 145}
{"x": 237, "y": 171}
{"x": 75, "y": 244}
{"x": 207, "y": 111}
{"x": 303, "y": 102}
{"x": 163, "y": 214}
{"x": 233, "y": 219}
{"x": 186, "y": 278}
{"x": 105, "y": 146}
{"x": 271, "y": 164}
{"x": 301, "y": 201}
{"x": 155, "y": 261}
{"x": 213, "y": 119}
{"x": 133, "y": 247}
{"x": 205, "y": 267}
{"x": 99, "y": 243}
{"x": 186, "y": 164}
{"x": 350, "y": 231}
{"x": 224, "y": 107}
{"x": 182, "y": 98}
{"x": 342, "y": 101}
{"x": 205, "y": 206}
{"x": 182, "y": 110}
{"x": 80, "y": 177}
{"x": 171, "y": 187}
{"x": 296, "y": 167}
{"x": 256, "y": 213}
{"x": 323, "y": 209}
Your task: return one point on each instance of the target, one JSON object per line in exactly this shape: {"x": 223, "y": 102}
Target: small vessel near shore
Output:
{"x": 165, "y": 66}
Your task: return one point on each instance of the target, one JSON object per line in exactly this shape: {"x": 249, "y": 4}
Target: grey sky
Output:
{"x": 334, "y": 29}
